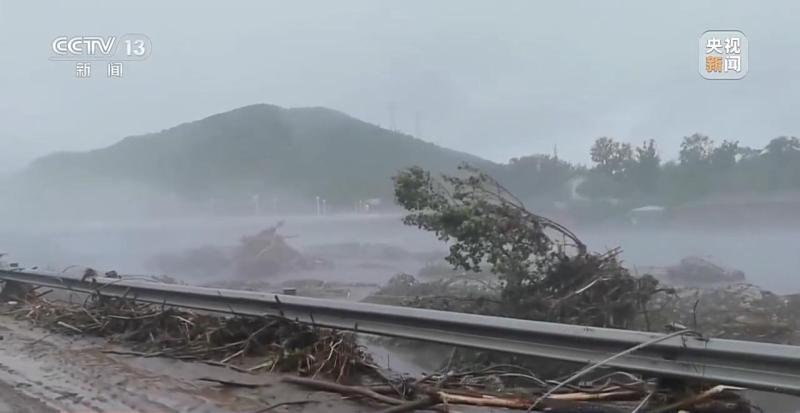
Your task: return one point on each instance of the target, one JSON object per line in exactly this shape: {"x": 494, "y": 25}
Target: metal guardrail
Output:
{"x": 762, "y": 366}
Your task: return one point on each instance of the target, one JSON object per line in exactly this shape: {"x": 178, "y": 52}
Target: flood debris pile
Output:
{"x": 546, "y": 272}
{"x": 250, "y": 344}
{"x": 697, "y": 271}
{"x": 268, "y": 253}
{"x": 264, "y": 254}
{"x": 463, "y": 294}
{"x": 332, "y": 361}
{"x": 433, "y": 270}
{"x": 735, "y": 311}
{"x": 512, "y": 387}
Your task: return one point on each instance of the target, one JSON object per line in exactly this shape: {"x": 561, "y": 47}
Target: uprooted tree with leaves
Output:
{"x": 547, "y": 273}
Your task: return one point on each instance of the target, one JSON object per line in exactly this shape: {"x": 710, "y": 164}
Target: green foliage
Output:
{"x": 724, "y": 156}
{"x": 453, "y": 294}
{"x": 645, "y": 171}
{"x": 623, "y": 171}
{"x": 612, "y": 157}
{"x": 696, "y": 150}
{"x": 783, "y": 149}
{"x": 543, "y": 278}
{"x": 540, "y": 178}
{"x": 703, "y": 169}
{"x": 302, "y": 152}
{"x": 782, "y": 158}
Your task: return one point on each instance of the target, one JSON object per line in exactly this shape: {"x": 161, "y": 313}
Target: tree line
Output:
{"x": 621, "y": 170}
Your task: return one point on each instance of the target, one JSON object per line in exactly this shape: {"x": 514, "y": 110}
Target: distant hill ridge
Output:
{"x": 255, "y": 149}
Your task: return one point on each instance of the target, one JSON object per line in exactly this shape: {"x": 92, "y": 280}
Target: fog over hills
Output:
{"x": 264, "y": 158}
{"x": 258, "y": 149}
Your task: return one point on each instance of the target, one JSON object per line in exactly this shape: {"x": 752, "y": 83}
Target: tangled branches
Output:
{"x": 243, "y": 343}
{"x": 547, "y": 272}
{"x": 610, "y": 393}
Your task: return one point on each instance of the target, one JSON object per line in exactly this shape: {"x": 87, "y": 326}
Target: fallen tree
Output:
{"x": 546, "y": 271}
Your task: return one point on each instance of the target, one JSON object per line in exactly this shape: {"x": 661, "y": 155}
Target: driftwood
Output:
{"x": 523, "y": 404}
{"x": 232, "y": 383}
{"x": 260, "y": 344}
{"x": 245, "y": 344}
{"x": 415, "y": 405}
{"x": 569, "y": 402}
{"x": 343, "y": 389}
{"x": 291, "y": 403}
{"x": 694, "y": 399}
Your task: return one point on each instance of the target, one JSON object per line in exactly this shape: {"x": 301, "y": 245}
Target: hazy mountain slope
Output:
{"x": 254, "y": 149}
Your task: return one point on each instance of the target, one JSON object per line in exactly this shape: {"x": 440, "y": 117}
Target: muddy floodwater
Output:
{"x": 770, "y": 257}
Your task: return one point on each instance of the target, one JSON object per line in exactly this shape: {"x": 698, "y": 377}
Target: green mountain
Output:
{"x": 254, "y": 149}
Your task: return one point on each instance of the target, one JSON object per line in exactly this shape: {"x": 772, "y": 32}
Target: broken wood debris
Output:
{"x": 333, "y": 361}
{"x": 242, "y": 343}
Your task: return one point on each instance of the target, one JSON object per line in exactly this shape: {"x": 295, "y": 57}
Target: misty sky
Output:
{"x": 494, "y": 78}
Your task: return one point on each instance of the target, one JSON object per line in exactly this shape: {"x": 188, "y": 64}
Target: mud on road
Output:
{"x": 40, "y": 372}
